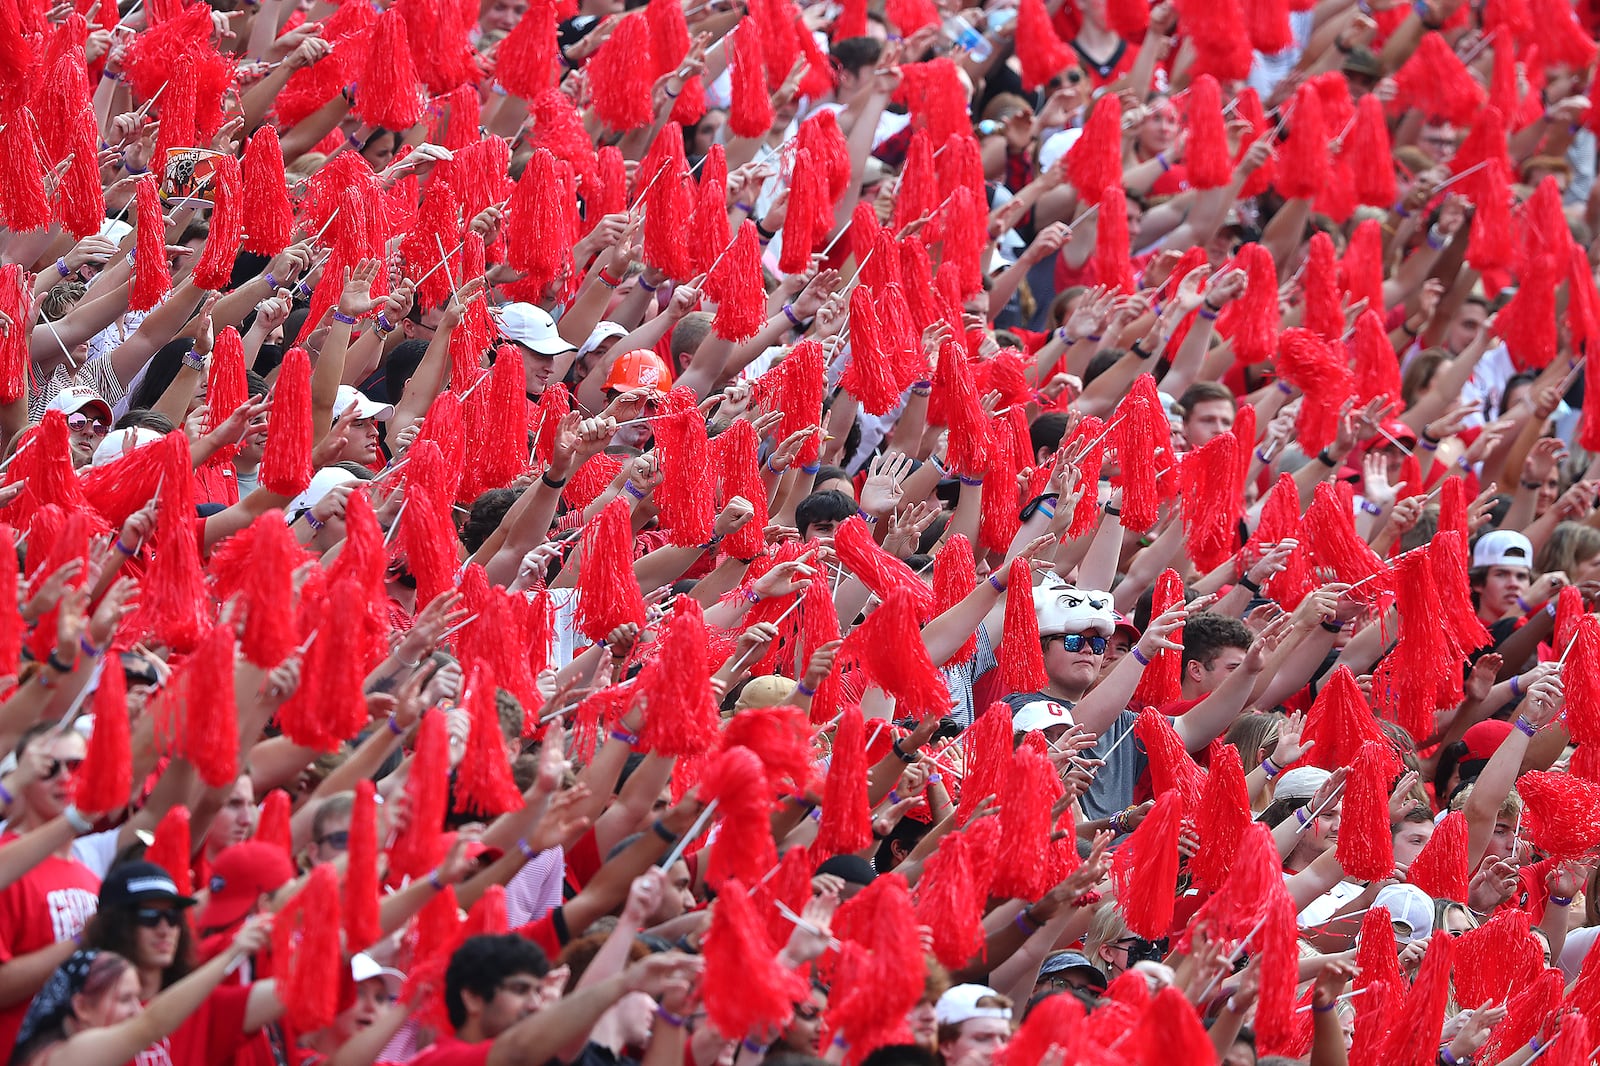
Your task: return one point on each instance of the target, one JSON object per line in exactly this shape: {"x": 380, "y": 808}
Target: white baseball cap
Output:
{"x": 323, "y": 482}
{"x": 1409, "y": 906}
{"x": 532, "y": 327}
{"x": 366, "y": 407}
{"x": 75, "y": 398}
{"x": 960, "y": 1004}
{"x": 364, "y": 967}
{"x": 602, "y": 332}
{"x": 120, "y": 442}
{"x": 1502, "y": 547}
{"x": 1040, "y": 715}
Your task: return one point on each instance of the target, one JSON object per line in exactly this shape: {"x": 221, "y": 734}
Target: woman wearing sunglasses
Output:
{"x": 143, "y": 918}
{"x": 91, "y": 1011}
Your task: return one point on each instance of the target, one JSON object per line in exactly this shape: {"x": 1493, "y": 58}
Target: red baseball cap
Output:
{"x": 239, "y": 876}
{"x": 1483, "y": 738}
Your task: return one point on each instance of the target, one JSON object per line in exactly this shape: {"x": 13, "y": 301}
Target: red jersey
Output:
{"x": 52, "y": 902}
{"x": 448, "y": 1051}
{"x": 208, "y": 1037}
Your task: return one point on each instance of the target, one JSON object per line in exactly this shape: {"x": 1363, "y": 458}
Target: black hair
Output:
{"x": 144, "y": 418}
{"x": 855, "y": 54}
{"x": 1103, "y": 360}
{"x": 159, "y": 372}
{"x": 829, "y": 506}
{"x": 1206, "y": 634}
{"x": 401, "y": 364}
{"x": 907, "y": 832}
{"x": 114, "y": 928}
{"x": 487, "y": 512}
{"x": 901, "y": 1055}
{"x": 482, "y": 963}
{"x": 1047, "y": 431}
{"x": 830, "y": 473}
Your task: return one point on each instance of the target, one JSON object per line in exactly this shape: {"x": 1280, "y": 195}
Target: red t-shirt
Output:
{"x": 448, "y": 1051}
{"x": 49, "y": 904}
{"x": 255, "y": 1049}
{"x": 207, "y": 1037}
{"x": 216, "y": 484}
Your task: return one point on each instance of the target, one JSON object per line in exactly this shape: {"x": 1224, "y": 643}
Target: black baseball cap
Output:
{"x": 132, "y": 883}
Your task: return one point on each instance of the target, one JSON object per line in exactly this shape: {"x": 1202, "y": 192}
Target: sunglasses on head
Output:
{"x": 151, "y": 917}
{"x": 79, "y": 423}
{"x": 1076, "y": 642}
{"x": 57, "y": 765}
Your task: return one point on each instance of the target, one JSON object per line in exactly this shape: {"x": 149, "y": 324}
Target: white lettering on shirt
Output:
{"x": 70, "y": 911}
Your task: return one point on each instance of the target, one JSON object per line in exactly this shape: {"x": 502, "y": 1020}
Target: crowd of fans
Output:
{"x": 722, "y": 531}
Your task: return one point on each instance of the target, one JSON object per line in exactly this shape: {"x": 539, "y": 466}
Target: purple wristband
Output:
{"x": 788, "y": 312}
{"x": 394, "y": 727}
{"x": 1516, "y": 689}
{"x": 995, "y": 584}
{"x": 1525, "y": 727}
{"x": 340, "y": 316}
{"x": 1139, "y": 657}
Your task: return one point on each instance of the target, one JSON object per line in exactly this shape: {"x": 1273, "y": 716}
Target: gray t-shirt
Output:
{"x": 1114, "y": 783}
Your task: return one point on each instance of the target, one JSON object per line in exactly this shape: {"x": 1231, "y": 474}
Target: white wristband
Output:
{"x": 79, "y": 823}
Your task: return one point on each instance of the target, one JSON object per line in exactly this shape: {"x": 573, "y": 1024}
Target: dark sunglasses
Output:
{"x": 1073, "y": 76}
{"x": 338, "y": 841}
{"x": 57, "y": 765}
{"x": 151, "y": 917}
{"x": 77, "y": 423}
{"x": 1076, "y": 642}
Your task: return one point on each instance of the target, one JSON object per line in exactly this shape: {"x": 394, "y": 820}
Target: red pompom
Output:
{"x": 1440, "y": 869}
{"x": 1161, "y": 682}
{"x": 955, "y": 575}
{"x": 1144, "y": 870}
{"x": 1267, "y": 23}
{"x": 735, "y": 284}
{"x": 1314, "y": 366}
{"x": 1128, "y": 19}
{"x": 846, "y": 822}
{"x": 16, "y": 301}
{"x": 1032, "y": 788}
{"x": 1022, "y": 660}
{"x": 483, "y": 779}
{"x": 1211, "y": 480}
{"x": 1094, "y": 162}
{"x": 608, "y": 593}
{"x": 1252, "y": 321}
{"x": 950, "y": 903}
{"x": 1142, "y": 438}
{"x": 171, "y": 848}
{"x": 1208, "y": 159}
{"x": 686, "y": 498}
{"x": 361, "y": 882}
{"x": 1436, "y": 82}
{"x": 1222, "y": 818}
{"x": 745, "y": 988}
{"x": 987, "y": 744}
{"x": 1361, "y": 269}
{"x": 1366, "y": 844}
{"x": 1339, "y": 722}
{"x": 1377, "y": 372}
{"x": 1561, "y": 812}
{"x": 413, "y": 853}
{"x": 1414, "y": 1030}
{"x": 272, "y": 827}
{"x": 1371, "y": 162}
{"x": 1041, "y": 53}
{"x": 525, "y": 62}
{"x": 105, "y": 781}
{"x": 23, "y": 205}
{"x": 286, "y": 459}
{"x": 743, "y": 849}
{"x": 780, "y": 738}
{"x": 881, "y": 572}
{"x": 152, "y": 279}
{"x": 750, "y": 113}
{"x": 1113, "y": 264}
{"x": 889, "y": 648}
{"x": 682, "y": 718}
{"x": 307, "y": 950}
{"x": 1221, "y": 43}
{"x": 1171, "y": 767}
{"x": 620, "y": 73}
{"x": 1302, "y": 166}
